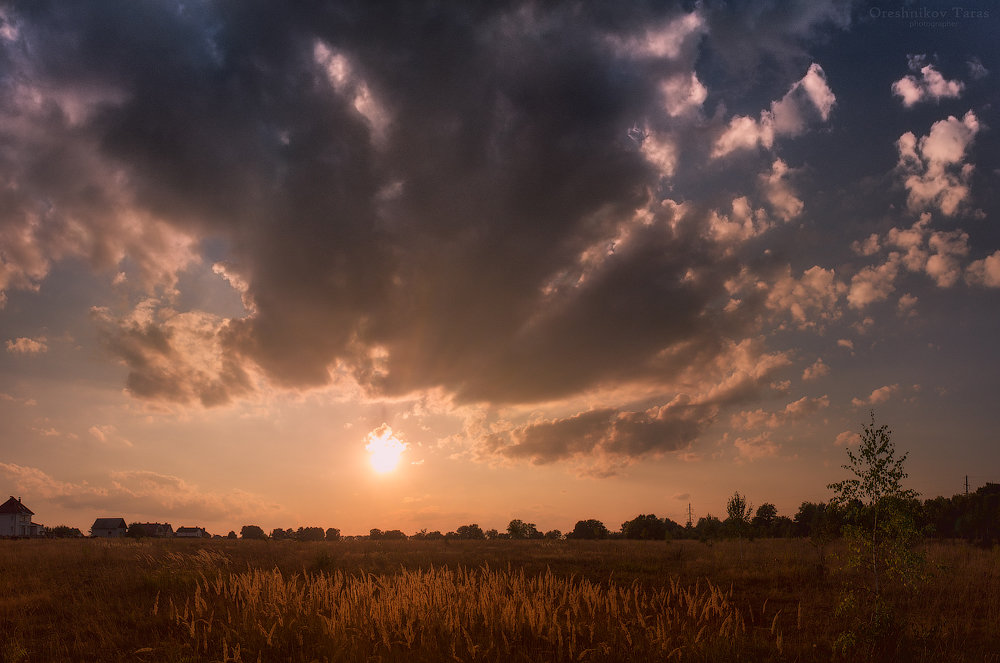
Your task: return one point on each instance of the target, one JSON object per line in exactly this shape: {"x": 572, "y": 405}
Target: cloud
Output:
{"x": 683, "y": 94}
{"x": 603, "y": 440}
{"x": 846, "y": 438}
{"x": 107, "y": 434}
{"x": 27, "y": 346}
{"x": 172, "y": 356}
{"x": 815, "y": 371}
{"x": 671, "y": 427}
{"x": 666, "y": 40}
{"x": 976, "y": 68}
{"x": 907, "y": 304}
{"x": 880, "y": 395}
{"x": 807, "y": 100}
{"x": 799, "y": 409}
{"x": 938, "y": 254}
{"x": 779, "y": 194}
{"x": 755, "y": 448}
{"x": 929, "y": 86}
{"x": 810, "y": 298}
{"x": 985, "y": 271}
{"x": 870, "y": 246}
{"x": 933, "y": 168}
{"x": 873, "y": 284}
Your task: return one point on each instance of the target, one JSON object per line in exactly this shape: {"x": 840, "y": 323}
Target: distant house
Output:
{"x": 190, "y": 532}
{"x": 153, "y": 530}
{"x": 109, "y": 528}
{"x": 15, "y": 519}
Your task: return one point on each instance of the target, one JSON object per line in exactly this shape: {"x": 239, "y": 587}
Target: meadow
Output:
{"x": 613, "y": 600}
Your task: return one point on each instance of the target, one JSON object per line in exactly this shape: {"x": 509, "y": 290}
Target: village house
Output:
{"x": 110, "y": 528}
{"x": 190, "y": 532}
{"x": 15, "y": 520}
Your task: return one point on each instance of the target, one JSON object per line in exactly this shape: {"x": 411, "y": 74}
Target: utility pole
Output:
{"x": 966, "y": 484}
{"x": 690, "y": 517}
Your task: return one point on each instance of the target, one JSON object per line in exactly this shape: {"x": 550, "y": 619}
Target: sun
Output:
{"x": 384, "y": 449}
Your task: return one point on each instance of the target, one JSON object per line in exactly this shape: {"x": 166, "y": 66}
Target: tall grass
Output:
{"x": 462, "y": 614}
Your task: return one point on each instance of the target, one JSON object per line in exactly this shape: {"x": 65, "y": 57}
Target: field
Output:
{"x": 765, "y": 600}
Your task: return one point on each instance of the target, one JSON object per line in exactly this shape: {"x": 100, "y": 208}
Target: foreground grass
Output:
{"x": 216, "y": 600}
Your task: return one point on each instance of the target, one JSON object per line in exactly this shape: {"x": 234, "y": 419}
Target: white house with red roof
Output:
{"x": 15, "y": 519}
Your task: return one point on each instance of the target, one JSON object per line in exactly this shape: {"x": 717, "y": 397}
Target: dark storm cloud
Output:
{"x": 426, "y": 196}
{"x": 668, "y": 428}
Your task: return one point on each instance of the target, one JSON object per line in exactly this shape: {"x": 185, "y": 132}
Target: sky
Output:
{"x": 415, "y": 265}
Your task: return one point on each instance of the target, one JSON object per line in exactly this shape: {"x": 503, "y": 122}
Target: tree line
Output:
{"x": 974, "y": 517}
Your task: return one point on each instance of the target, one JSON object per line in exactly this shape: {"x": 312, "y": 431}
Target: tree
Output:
{"x": 333, "y": 534}
{"x": 518, "y": 529}
{"x": 553, "y": 535}
{"x": 882, "y": 533}
{"x": 764, "y": 521}
{"x": 738, "y": 512}
{"x": 252, "y": 532}
{"x": 231, "y": 535}
{"x": 66, "y": 532}
{"x": 647, "y": 527}
{"x": 588, "y": 529}
{"x": 375, "y": 534}
{"x": 309, "y": 534}
{"x": 472, "y": 532}
{"x": 708, "y": 528}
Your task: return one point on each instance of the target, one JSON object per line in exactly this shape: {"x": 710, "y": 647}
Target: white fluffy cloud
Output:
{"x": 816, "y": 370}
{"x": 927, "y": 84}
{"x": 784, "y": 203}
{"x": 938, "y": 254}
{"x": 808, "y": 99}
{"x": 985, "y": 272}
{"x": 813, "y": 296}
{"x": 933, "y": 168}
{"x": 873, "y": 284}
{"x": 880, "y": 395}
{"x": 683, "y": 93}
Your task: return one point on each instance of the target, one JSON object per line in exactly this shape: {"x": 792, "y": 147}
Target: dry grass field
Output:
{"x": 765, "y": 600}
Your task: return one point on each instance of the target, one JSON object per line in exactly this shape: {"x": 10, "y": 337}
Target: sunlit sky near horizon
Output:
{"x": 417, "y": 265}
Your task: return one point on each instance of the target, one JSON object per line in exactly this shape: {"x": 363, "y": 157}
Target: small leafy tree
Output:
{"x": 881, "y": 533}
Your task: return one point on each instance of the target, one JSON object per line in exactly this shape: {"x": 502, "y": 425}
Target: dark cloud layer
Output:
{"x": 406, "y": 178}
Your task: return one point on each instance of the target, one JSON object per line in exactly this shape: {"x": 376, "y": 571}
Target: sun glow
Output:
{"x": 384, "y": 448}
